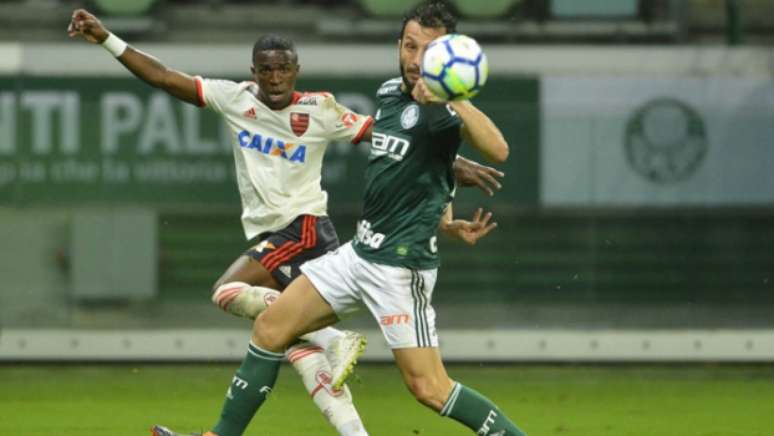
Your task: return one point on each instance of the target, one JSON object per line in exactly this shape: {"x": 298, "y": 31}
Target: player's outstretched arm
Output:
{"x": 477, "y": 128}
{"x": 468, "y": 231}
{"x": 472, "y": 173}
{"x": 480, "y": 132}
{"x": 142, "y": 65}
{"x": 466, "y": 172}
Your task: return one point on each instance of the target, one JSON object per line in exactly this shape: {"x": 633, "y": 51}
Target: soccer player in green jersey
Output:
{"x": 391, "y": 265}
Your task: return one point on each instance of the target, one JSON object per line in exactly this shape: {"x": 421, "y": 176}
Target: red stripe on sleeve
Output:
{"x": 200, "y": 92}
{"x": 362, "y": 131}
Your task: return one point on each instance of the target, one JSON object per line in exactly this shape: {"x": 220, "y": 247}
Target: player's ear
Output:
{"x": 252, "y": 70}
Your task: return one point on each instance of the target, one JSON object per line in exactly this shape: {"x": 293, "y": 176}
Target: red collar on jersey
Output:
{"x": 296, "y": 96}
{"x": 293, "y": 100}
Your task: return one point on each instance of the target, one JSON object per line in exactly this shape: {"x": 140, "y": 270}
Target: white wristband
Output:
{"x": 115, "y": 45}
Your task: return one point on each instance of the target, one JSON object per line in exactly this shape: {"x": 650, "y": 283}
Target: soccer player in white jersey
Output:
{"x": 279, "y": 136}
{"x": 279, "y": 139}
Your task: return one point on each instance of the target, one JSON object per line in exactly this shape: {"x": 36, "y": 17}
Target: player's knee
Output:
{"x": 224, "y": 279}
{"x": 269, "y": 335}
{"x": 428, "y": 391}
{"x": 217, "y": 285}
{"x": 223, "y": 293}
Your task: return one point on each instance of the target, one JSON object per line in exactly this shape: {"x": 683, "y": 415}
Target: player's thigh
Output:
{"x": 424, "y": 374}
{"x": 248, "y": 270}
{"x": 300, "y": 309}
{"x": 277, "y": 259}
{"x": 335, "y": 279}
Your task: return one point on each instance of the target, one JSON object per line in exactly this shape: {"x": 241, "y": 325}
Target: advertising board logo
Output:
{"x": 665, "y": 140}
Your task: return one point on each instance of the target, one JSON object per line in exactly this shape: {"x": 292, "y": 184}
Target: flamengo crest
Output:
{"x": 299, "y": 122}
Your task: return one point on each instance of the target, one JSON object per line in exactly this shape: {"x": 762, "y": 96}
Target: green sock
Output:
{"x": 251, "y": 385}
{"x": 478, "y": 413}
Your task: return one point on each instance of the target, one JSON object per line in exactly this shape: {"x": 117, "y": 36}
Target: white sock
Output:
{"x": 336, "y": 406}
{"x": 241, "y": 299}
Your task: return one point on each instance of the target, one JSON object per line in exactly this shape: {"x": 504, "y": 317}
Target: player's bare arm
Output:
{"x": 480, "y": 132}
{"x": 142, "y": 65}
{"x": 468, "y": 231}
{"x": 477, "y": 129}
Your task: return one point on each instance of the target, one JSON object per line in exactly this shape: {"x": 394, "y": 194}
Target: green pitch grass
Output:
{"x": 545, "y": 400}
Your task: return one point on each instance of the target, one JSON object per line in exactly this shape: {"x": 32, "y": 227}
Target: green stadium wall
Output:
{"x": 68, "y": 143}
{"x": 91, "y": 140}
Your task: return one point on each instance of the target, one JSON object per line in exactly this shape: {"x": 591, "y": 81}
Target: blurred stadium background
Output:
{"x": 636, "y": 218}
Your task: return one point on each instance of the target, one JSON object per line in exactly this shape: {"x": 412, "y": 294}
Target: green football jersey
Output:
{"x": 409, "y": 180}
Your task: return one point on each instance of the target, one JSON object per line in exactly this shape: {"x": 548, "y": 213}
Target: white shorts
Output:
{"x": 399, "y": 298}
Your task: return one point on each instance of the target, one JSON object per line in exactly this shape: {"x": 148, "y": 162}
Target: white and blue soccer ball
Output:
{"x": 454, "y": 67}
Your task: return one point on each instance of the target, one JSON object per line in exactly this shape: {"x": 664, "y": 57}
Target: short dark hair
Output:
{"x": 272, "y": 41}
{"x": 431, "y": 13}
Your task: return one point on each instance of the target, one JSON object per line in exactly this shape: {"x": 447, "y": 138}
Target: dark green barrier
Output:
{"x": 578, "y": 258}
{"x": 75, "y": 141}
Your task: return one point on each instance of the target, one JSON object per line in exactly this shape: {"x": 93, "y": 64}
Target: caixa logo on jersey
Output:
{"x": 272, "y": 146}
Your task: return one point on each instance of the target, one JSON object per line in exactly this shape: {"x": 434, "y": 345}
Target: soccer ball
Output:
{"x": 454, "y": 67}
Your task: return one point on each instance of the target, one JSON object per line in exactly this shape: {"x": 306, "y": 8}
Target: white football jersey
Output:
{"x": 278, "y": 154}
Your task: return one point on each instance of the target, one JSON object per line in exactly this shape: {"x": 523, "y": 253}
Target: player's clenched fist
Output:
{"x": 423, "y": 95}
{"x": 88, "y": 26}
